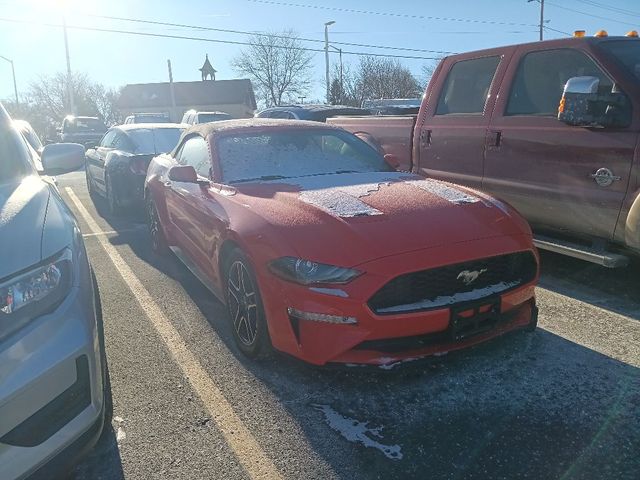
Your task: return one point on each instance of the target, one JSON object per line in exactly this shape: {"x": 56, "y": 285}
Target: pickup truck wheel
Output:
{"x": 158, "y": 240}
{"x": 246, "y": 312}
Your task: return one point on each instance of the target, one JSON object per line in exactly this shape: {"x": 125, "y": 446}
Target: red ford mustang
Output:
{"x": 321, "y": 250}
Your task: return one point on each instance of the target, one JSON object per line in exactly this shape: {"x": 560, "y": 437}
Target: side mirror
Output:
{"x": 583, "y": 106}
{"x": 59, "y": 158}
{"x": 183, "y": 173}
{"x": 392, "y": 160}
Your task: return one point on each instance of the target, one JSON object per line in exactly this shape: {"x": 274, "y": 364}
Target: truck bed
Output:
{"x": 389, "y": 134}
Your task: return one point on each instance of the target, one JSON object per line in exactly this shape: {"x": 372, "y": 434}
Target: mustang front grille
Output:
{"x": 454, "y": 284}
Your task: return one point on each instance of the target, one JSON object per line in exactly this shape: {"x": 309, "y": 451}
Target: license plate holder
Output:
{"x": 485, "y": 316}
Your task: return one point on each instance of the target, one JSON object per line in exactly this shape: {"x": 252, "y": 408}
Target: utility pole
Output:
{"x": 541, "y": 2}
{"x": 326, "y": 54}
{"x": 172, "y": 91}
{"x": 15, "y": 85}
{"x": 66, "y": 48}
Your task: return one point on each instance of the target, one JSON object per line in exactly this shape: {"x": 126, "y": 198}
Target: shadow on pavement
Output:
{"x": 103, "y": 462}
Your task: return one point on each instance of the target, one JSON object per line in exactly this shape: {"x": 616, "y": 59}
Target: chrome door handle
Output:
{"x": 605, "y": 177}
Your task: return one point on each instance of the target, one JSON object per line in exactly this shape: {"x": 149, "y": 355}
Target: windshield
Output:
{"x": 295, "y": 153}
{"x": 212, "y": 117}
{"x": 150, "y": 119}
{"x": 86, "y": 125}
{"x": 627, "y": 52}
{"x": 31, "y": 137}
{"x": 155, "y": 140}
{"x": 14, "y": 155}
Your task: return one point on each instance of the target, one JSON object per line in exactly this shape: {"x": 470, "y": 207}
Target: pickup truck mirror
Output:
{"x": 582, "y": 105}
{"x": 392, "y": 160}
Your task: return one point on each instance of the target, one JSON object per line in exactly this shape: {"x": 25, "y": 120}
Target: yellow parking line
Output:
{"x": 252, "y": 457}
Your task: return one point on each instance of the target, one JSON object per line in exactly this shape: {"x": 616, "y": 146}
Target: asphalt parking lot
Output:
{"x": 563, "y": 402}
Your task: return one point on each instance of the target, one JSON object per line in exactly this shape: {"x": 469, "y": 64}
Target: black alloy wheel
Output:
{"x": 246, "y": 312}
{"x": 158, "y": 240}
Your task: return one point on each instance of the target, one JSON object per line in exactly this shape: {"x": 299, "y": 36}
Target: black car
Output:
{"x": 117, "y": 166}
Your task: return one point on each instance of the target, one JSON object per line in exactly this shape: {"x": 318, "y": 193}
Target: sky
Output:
{"x": 116, "y": 59}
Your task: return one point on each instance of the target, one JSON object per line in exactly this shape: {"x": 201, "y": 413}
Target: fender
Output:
{"x": 632, "y": 225}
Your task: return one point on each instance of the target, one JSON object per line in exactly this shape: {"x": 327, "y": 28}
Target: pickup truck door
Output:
{"x": 451, "y": 131}
{"x": 545, "y": 168}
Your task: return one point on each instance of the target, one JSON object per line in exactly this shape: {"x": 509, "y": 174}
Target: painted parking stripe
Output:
{"x": 252, "y": 457}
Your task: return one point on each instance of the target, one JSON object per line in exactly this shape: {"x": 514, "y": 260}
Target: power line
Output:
{"x": 588, "y": 14}
{"x": 201, "y": 39}
{"x": 610, "y": 8}
{"x": 557, "y": 31}
{"x": 389, "y": 14}
{"x": 271, "y": 35}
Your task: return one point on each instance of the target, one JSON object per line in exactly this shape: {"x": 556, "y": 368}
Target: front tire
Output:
{"x": 246, "y": 311}
{"x": 158, "y": 240}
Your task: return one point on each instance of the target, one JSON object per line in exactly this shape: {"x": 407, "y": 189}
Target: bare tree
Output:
{"x": 277, "y": 65}
{"x": 377, "y": 77}
{"x": 428, "y": 70}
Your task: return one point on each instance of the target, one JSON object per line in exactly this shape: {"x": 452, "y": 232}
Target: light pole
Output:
{"x": 66, "y": 48}
{"x": 541, "y": 2}
{"x": 13, "y": 71}
{"x": 326, "y": 54}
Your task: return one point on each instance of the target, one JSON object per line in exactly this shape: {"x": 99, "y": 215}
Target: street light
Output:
{"x": 326, "y": 54}
{"x": 13, "y": 71}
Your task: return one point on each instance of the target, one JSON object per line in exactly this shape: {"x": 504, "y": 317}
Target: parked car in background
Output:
{"x": 147, "y": 118}
{"x": 193, "y": 117}
{"x": 316, "y": 113}
{"x": 117, "y": 167}
{"x": 84, "y": 130}
{"x": 550, "y": 127}
{"x": 322, "y": 251}
{"x": 54, "y": 390}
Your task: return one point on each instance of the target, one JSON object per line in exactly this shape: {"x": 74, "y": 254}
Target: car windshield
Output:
{"x": 31, "y": 137}
{"x": 213, "y": 117}
{"x": 295, "y": 153}
{"x": 155, "y": 140}
{"x": 627, "y": 52}
{"x": 80, "y": 124}
{"x": 14, "y": 155}
{"x": 151, "y": 119}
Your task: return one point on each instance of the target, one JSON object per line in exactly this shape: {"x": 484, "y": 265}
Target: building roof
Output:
{"x": 187, "y": 94}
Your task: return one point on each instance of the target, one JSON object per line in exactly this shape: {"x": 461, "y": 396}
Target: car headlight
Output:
{"x": 34, "y": 292}
{"x": 306, "y": 272}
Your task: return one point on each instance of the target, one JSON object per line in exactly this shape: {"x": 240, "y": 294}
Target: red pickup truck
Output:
{"x": 490, "y": 120}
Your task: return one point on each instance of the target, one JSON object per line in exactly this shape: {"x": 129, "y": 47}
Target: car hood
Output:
{"x": 352, "y": 218}
{"x": 34, "y": 224}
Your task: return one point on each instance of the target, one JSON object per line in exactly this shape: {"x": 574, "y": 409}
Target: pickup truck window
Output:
{"x": 627, "y": 52}
{"x": 541, "y": 76}
{"x": 467, "y": 86}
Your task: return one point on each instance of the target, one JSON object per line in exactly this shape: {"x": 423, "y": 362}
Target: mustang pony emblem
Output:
{"x": 470, "y": 276}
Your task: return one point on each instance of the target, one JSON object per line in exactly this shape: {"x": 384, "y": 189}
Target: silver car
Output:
{"x": 54, "y": 391}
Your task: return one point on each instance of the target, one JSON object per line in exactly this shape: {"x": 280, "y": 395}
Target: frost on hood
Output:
{"x": 444, "y": 191}
{"x": 358, "y": 432}
{"x": 444, "y": 300}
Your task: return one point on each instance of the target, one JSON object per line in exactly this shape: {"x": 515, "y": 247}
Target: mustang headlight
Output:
{"x": 34, "y": 292}
{"x": 306, "y": 272}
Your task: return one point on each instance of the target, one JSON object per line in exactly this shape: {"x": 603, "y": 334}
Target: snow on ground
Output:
{"x": 358, "y": 432}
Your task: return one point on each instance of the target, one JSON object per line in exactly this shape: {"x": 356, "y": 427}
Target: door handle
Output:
{"x": 494, "y": 138}
{"x": 605, "y": 177}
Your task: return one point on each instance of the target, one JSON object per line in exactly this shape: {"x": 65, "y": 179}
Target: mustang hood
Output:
{"x": 352, "y": 218}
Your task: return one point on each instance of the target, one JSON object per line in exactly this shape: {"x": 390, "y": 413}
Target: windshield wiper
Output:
{"x": 263, "y": 178}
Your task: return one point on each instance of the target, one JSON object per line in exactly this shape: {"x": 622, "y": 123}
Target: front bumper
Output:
{"x": 380, "y": 340}
{"x": 51, "y": 393}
